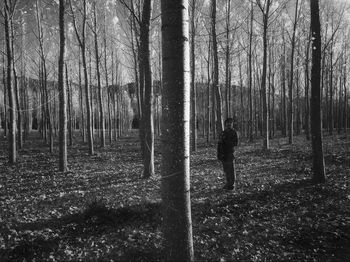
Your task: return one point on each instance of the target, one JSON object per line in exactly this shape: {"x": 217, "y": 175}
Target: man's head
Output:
{"x": 229, "y": 123}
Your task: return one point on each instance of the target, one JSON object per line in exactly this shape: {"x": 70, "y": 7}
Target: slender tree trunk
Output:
{"x": 69, "y": 119}
{"x": 193, "y": 84}
{"x": 208, "y": 94}
{"x": 331, "y": 92}
{"x": 5, "y": 96}
{"x": 62, "y": 93}
{"x": 345, "y": 105}
{"x": 291, "y": 74}
{"x": 242, "y": 113}
{"x": 19, "y": 109}
{"x": 100, "y": 103}
{"x": 250, "y": 126}
{"x": 147, "y": 117}
{"x": 70, "y": 111}
{"x": 82, "y": 125}
{"x": 316, "y": 130}
{"x": 175, "y": 132}
{"x": 298, "y": 122}
{"x": 307, "y": 87}
{"x": 227, "y": 58}
{"x": 219, "y": 123}
{"x": 339, "y": 118}
{"x": 107, "y": 85}
{"x": 10, "y": 86}
{"x": 284, "y": 92}
{"x": 265, "y": 111}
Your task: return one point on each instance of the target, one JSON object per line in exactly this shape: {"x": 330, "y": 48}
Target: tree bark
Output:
{"x": 100, "y": 103}
{"x": 193, "y": 84}
{"x": 10, "y": 86}
{"x": 307, "y": 87}
{"x": 250, "y": 69}
{"x": 219, "y": 121}
{"x": 177, "y": 224}
{"x": 147, "y": 111}
{"x": 62, "y": 94}
{"x": 316, "y": 130}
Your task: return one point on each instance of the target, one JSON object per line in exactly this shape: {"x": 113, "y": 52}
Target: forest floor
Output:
{"x": 102, "y": 210}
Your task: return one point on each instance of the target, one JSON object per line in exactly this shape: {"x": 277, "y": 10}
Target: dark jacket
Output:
{"x": 227, "y": 141}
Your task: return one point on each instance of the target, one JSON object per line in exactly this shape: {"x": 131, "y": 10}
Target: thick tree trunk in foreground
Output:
{"x": 63, "y": 95}
{"x": 177, "y": 224}
{"x": 316, "y": 130}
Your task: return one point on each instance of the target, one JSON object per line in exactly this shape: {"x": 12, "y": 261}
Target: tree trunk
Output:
{"x": 100, "y": 103}
{"x": 307, "y": 87}
{"x": 250, "y": 125}
{"x": 219, "y": 123}
{"x": 10, "y": 86}
{"x": 70, "y": 112}
{"x": 5, "y": 95}
{"x": 19, "y": 109}
{"x": 208, "y": 94}
{"x": 177, "y": 224}
{"x": 193, "y": 79}
{"x": 69, "y": 115}
{"x": 298, "y": 123}
{"x": 62, "y": 94}
{"x": 284, "y": 92}
{"x": 147, "y": 117}
{"x": 331, "y": 110}
{"x": 291, "y": 109}
{"x": 316, "y": 130}
{"x": 227, "y": 59}
{"x": 82, "y": 115}
{"x": 107, "y": 85}
{"x": 265, "y": 111}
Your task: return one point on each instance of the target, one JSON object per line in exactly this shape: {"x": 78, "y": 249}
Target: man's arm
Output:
{"x": 235, "y": 138}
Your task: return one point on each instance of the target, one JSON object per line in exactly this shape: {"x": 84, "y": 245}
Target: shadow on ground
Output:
{"x": 40, "y": 239}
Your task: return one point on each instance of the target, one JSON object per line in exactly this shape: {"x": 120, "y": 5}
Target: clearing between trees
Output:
{"x": 102, "y": 210}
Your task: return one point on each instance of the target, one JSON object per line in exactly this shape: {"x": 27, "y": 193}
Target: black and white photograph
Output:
{"x": 174, "y": 130}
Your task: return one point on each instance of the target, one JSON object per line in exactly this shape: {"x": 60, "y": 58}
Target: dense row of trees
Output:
{"x": 250, "y": 60}
{"x": 261, "y": 62}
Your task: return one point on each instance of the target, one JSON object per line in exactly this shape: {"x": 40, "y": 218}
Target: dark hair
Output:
{"x": 229, "y": 120}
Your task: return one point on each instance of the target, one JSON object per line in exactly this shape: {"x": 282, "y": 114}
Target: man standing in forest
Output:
{"x": 227, "y": 141}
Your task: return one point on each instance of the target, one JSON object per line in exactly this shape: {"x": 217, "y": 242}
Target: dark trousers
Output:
{"x": 230, "y": 172}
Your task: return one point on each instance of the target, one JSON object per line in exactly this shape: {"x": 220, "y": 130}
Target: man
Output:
{"x": 227, "y": 141}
